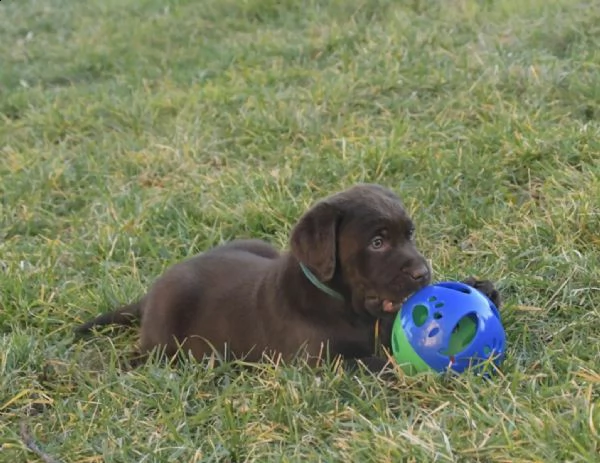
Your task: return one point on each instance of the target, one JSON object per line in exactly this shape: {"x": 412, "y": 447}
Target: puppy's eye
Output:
{"x": 411, "y": 233}
{"x": 377, "y": 242}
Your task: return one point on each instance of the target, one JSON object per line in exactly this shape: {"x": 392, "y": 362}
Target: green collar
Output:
{"x": 315, "y": 281}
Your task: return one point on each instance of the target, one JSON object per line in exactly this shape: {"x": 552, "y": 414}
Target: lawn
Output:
{"x": 136, "y": 133}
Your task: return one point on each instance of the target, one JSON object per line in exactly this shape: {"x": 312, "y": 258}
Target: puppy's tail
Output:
{"x": 124, "y": 316}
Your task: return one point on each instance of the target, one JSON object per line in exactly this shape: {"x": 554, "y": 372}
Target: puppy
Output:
{"x": 352, "y": 262}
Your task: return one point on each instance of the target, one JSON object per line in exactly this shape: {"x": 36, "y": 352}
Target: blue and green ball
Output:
{"x": 448, "y": 325}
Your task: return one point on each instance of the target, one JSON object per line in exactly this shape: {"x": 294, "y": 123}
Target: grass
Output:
{"x": 133, "y": 134}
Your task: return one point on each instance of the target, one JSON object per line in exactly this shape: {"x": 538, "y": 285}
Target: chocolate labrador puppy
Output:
{"x": 352, "y": 263}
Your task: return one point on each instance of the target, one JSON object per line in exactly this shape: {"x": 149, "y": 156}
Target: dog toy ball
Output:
{"x": 447, "y": 325}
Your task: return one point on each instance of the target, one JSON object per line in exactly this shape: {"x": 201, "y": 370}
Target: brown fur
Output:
{"x": 246, "y": 298}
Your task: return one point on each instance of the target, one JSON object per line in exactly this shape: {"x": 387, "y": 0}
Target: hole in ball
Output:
{"x": 437, "y": 315}
{"x": 462, "y": 334}
{"x": 433, "y": 332}
{"x": 494, "y": 309}
{"x": 439, "y": 304}
{"x": 432, "y": 298}
{"x": 463, "y": 288}
{"x": 420, "y": 314}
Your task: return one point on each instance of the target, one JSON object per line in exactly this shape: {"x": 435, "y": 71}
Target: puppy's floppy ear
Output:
{"x": 313, "y": 240}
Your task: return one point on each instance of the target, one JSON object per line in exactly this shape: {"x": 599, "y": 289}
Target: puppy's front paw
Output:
{"x": 487, "y": 288}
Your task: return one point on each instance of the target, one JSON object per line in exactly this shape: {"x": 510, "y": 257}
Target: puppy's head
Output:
{"x": 361, "y": 241}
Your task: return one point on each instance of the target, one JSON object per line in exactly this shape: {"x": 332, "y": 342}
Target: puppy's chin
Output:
{"x": 381, "y": 308}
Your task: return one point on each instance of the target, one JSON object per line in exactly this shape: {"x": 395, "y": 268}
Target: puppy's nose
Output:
{"x": 418, "y": 272}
